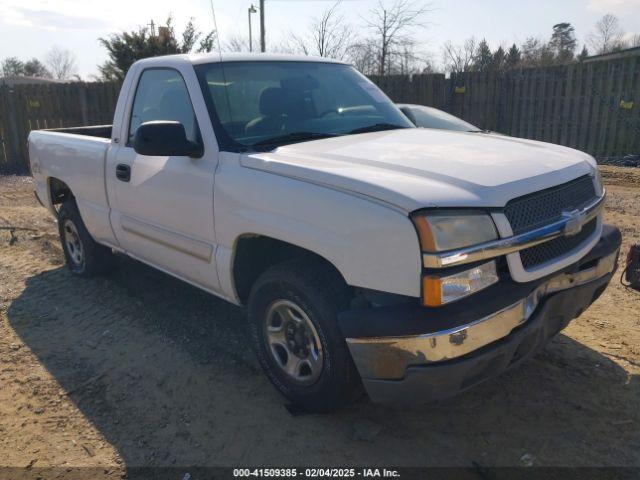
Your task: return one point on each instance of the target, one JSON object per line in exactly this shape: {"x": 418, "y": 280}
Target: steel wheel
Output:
{"x": 83, "y": 255}
{"x": 73, "y": 243}
{"x": 293, "y": 342}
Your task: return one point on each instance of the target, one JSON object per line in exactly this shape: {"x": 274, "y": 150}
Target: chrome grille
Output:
{"x": 547, "y": 251}
{"x": 541, "y": 208}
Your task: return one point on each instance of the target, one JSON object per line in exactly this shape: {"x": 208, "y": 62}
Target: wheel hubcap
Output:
{"x": 73, "y": 243}
{"x": 293, "y": 342}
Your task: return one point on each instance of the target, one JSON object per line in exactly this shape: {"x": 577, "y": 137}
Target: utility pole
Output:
{"x": 153, "y": 28}
{"x": 251, "y": 9}
{"x": 262, "y": 42}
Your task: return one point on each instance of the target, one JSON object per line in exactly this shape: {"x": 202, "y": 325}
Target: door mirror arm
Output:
{"x": 195, "y": 149}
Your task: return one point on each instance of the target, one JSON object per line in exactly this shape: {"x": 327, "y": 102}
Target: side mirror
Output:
{"x": 164, "y": 139}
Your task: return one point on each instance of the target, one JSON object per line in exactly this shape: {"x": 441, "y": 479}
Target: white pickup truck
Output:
{"x": 415, "y": 263}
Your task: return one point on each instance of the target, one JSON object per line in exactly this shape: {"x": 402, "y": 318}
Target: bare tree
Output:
{"x": 331, "y": 33}
{"x": 295, "y": 44}
{"x": 635, "y": 40}
{"x": 391, "y": 26}
{"x": 61, "y": 63}
{"x": 328, "y": 36}
{"x": 532, "y": 51}
{"x": 428, "y": 65}
{"x": 460, "y": 58}
{"x": 607, "y": 36}
{"x": 537, "y": 53}
{"x": 236, "y": 43}
{"x": 362, "y": 55}
{"x": 405, "y": 59}
{"x": 290, "y": 44}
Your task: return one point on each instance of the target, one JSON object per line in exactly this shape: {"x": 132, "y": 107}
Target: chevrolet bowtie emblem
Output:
{"x": 575, "y": 221}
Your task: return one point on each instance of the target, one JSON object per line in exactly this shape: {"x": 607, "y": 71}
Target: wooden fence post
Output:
{"x": 84, "y": 111}
{"x": 3, "y": 121}
{"x": 13, "y": 132}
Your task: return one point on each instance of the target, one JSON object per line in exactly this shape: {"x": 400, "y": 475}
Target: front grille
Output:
{"x": 547, "y": 251}
{"x": 541, "y": 208}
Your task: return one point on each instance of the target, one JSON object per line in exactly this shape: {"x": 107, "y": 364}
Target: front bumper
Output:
{"x": 433, "y": 365}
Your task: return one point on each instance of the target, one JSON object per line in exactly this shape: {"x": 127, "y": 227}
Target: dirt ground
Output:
{"x": 139, "y": 369}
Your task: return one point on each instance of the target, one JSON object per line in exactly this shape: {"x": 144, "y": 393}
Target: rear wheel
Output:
{"x": 293, "y": 311}
{"x": 84, "y": 256}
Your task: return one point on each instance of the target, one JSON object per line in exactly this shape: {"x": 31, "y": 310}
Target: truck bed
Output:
{"x": 75, "y": 157}
{"x": 101, "y": 131}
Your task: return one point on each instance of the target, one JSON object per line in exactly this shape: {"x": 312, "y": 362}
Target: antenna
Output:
{"x": 215, "y": 25}
{"x": 224, "y": 76}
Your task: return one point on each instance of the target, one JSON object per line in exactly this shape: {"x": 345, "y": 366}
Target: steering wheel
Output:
{"x": 327, "y": 112}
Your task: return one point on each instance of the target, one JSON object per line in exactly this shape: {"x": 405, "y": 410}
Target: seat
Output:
{"x": 273, "y": 110}
{"x": 175, "y": 105}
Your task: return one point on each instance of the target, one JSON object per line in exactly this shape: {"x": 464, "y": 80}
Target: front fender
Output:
{"x": 372, "y": 245}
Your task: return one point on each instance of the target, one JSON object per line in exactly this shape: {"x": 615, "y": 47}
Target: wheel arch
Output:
{"x": 253, "y": 254}
{"x": 58, "y": 191}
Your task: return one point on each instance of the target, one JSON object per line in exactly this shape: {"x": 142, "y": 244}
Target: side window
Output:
{"x": 162, "y": 95}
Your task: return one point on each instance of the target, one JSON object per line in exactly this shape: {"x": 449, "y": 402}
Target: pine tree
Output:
{"x": 125, "y": 48}
{"x": 514, "y": 57}
{"x": 583, "y": 54}
{"x": 484, "y": 58}
{"x": 35, "y": 68}
{"x": 563, "y": 42}
{"x": 498, "y": 62}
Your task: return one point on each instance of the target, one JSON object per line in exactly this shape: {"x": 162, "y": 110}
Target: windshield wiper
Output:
{"x": 376, "y": 127}
{"x": 293, "y": 137}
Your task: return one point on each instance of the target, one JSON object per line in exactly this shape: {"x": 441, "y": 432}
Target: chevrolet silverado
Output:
{"x": 370, "y": 255}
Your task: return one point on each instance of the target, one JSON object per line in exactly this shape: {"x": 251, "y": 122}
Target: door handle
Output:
{"x": 123, "y": 172}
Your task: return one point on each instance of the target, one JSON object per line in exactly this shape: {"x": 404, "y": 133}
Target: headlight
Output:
{"x": 448, "y": 230}
{"x": 437, "y": 291}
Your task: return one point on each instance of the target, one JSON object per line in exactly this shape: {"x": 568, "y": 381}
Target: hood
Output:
{"x": 417, "y": 168}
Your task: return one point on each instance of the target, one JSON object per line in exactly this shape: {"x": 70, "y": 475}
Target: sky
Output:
{"x": 29, "y": 28}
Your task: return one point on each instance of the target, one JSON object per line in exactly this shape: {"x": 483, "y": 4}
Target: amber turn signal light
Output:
{"x": 425, "y": 236}
{"x": 432, "y": 291}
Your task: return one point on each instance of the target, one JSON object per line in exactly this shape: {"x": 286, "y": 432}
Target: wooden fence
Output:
{"x": 594, "y": 107}
{"x": 30, "y": 107}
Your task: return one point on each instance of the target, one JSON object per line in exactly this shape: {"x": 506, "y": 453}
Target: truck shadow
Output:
{"x": 165, "y": 373}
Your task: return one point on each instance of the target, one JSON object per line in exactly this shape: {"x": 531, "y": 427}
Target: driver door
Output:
{"x": 163, "y": 212}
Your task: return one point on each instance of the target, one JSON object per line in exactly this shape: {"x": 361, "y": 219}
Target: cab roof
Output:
{"x": 214, "y": 57}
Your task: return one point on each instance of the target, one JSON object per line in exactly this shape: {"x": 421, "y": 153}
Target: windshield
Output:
{"x": 261, "y": 105}
{"x": 427, "y": 117}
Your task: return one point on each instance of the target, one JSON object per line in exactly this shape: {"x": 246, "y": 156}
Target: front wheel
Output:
{"x": 84, "y": 256}
{"x": 293, "y": 311}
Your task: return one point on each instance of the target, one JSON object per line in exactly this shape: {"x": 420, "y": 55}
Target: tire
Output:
{"x": 307, "y": 295}
{"x": 83, "y": 255}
